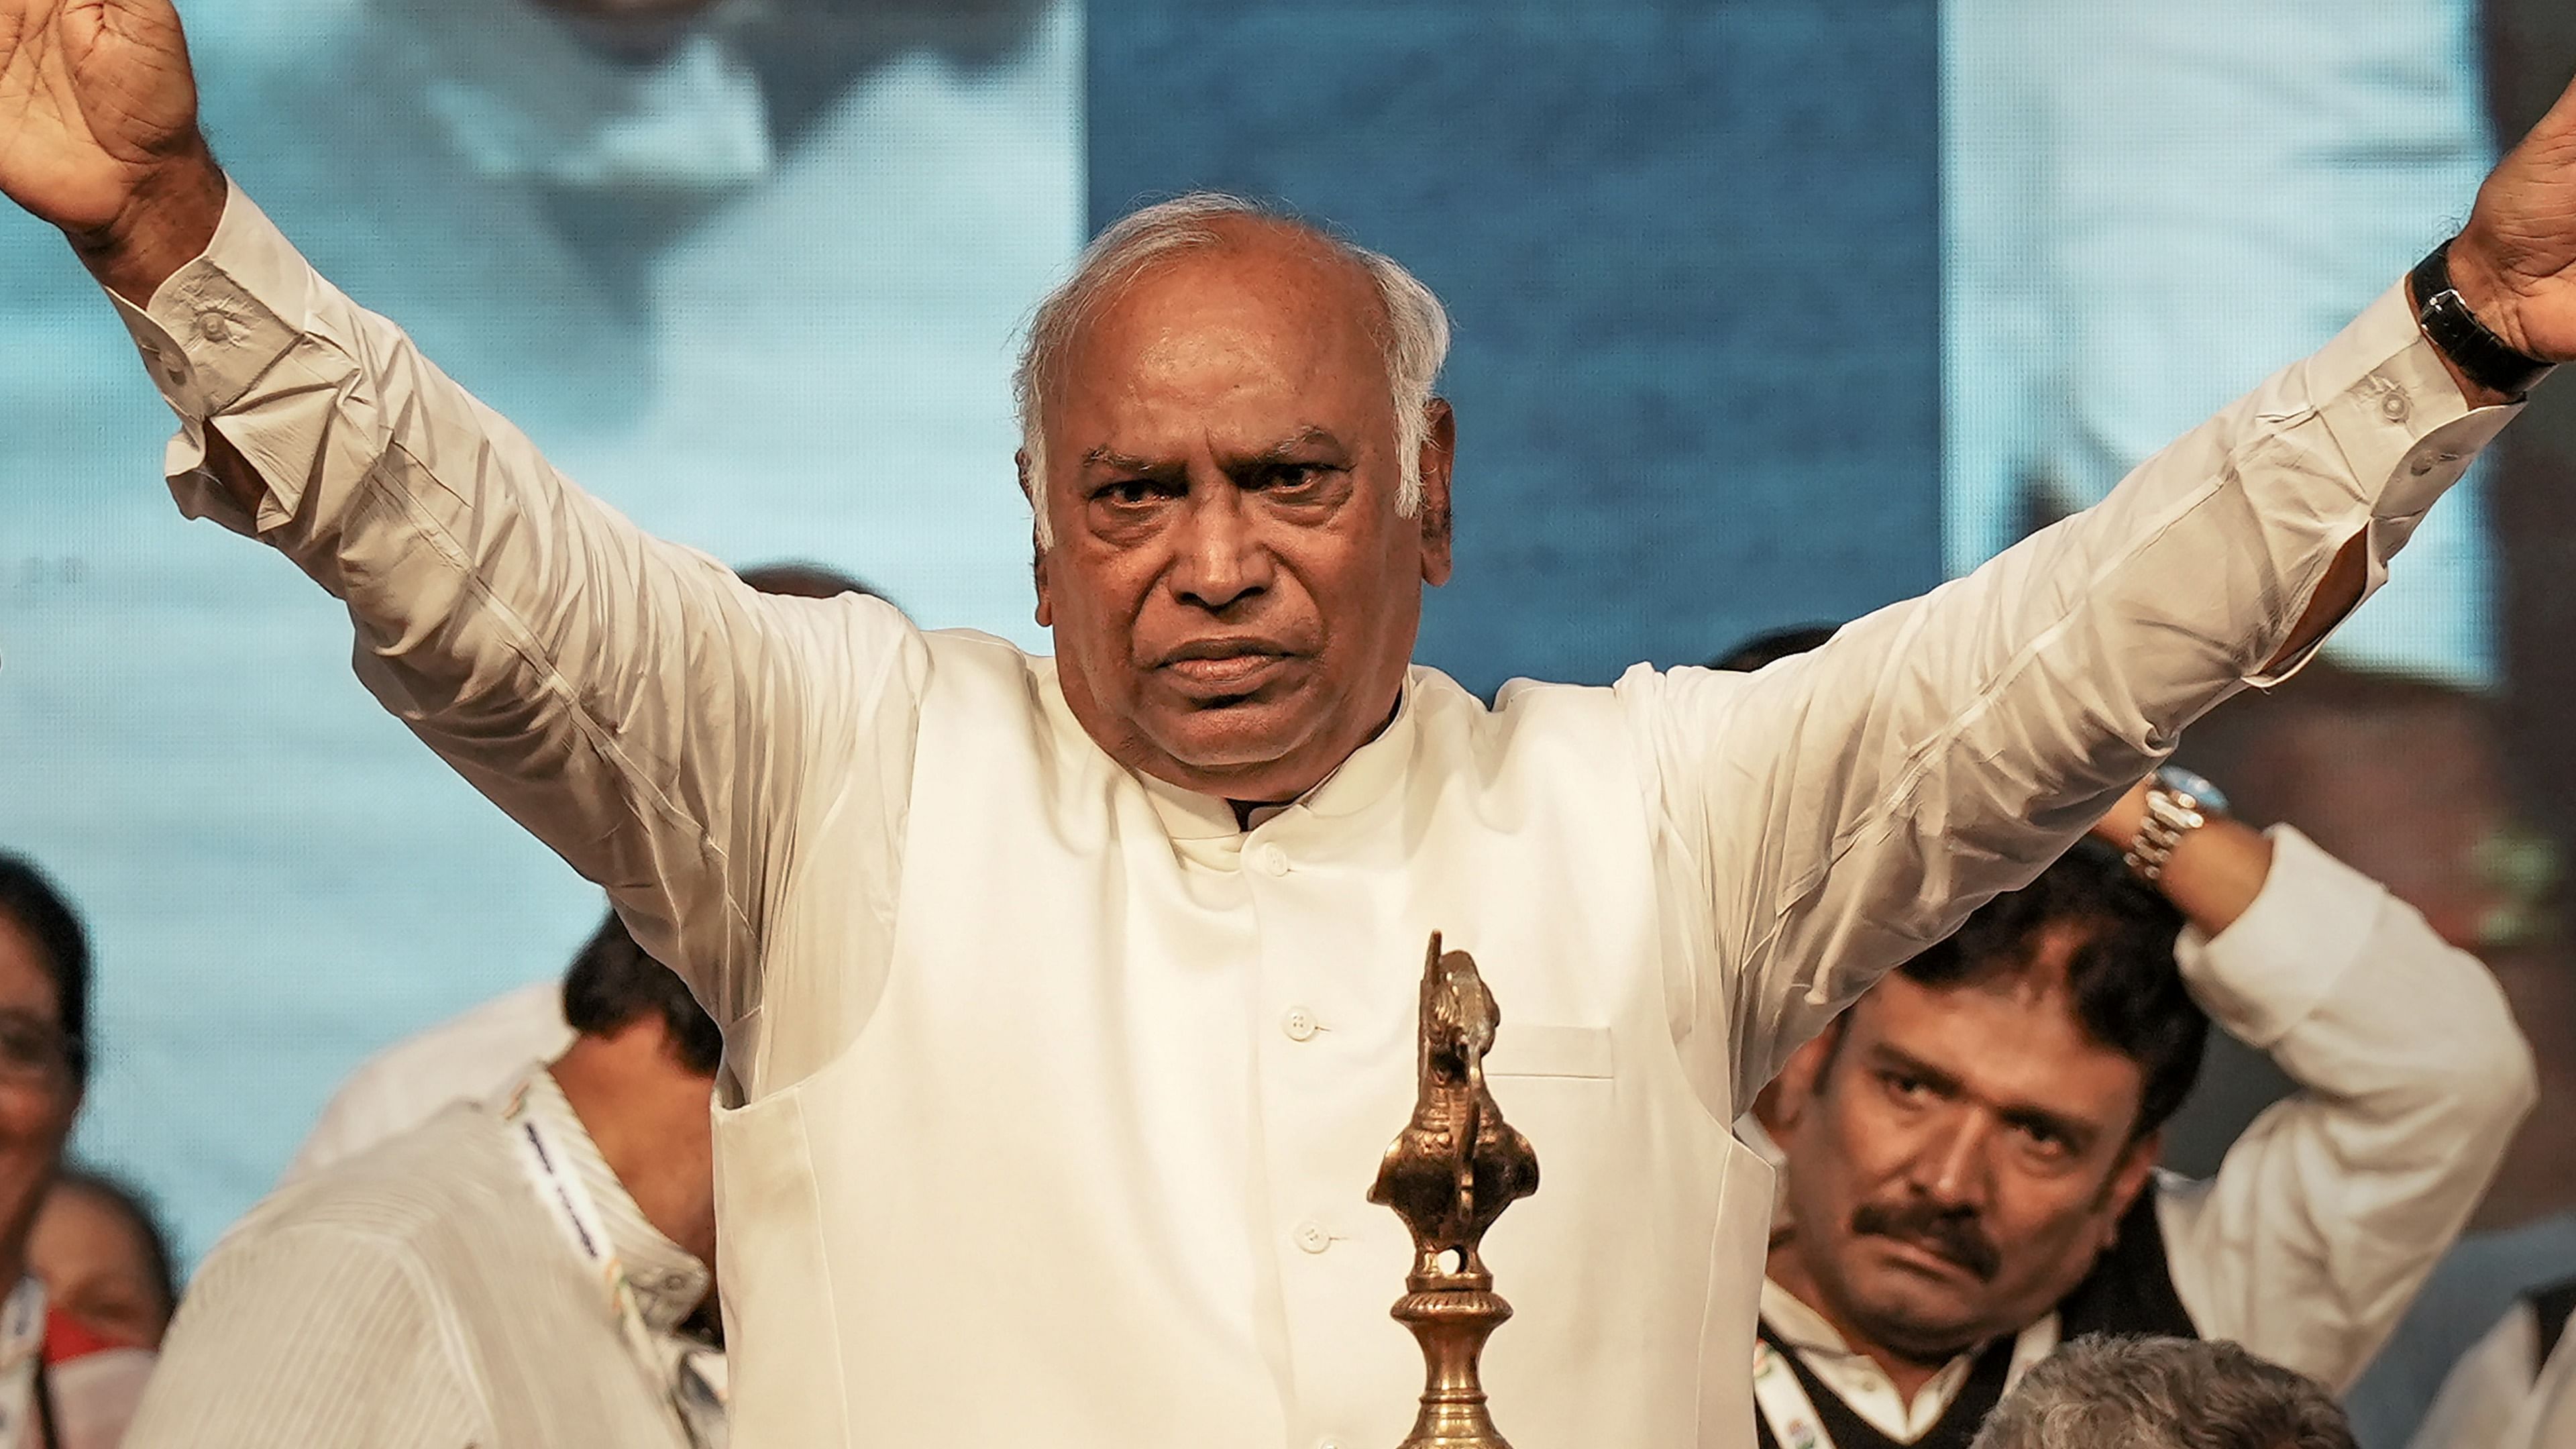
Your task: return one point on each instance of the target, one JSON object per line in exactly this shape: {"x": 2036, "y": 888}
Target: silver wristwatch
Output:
{"x": 2179, "y": 803}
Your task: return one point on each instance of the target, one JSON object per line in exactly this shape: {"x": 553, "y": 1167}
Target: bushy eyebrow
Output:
{"x": 1305, "y": 440}
{"x": 1122, "y": 463}
{"x": 2076, "y": 1134}
{"x": 1891, "y": 1059}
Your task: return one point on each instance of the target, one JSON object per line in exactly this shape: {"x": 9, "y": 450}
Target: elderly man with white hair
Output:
{"x": 1069, "y": 1002}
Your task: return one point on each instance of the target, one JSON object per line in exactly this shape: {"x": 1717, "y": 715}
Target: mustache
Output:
{"x": 1948, "y": 1232}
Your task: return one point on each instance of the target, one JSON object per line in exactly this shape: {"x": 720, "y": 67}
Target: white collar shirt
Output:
{"x": 422, "y": 1293}
{"x": 1053, "y": 1096}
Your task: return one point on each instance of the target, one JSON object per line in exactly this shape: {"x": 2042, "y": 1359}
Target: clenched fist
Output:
{"x": 2515, "y": 264}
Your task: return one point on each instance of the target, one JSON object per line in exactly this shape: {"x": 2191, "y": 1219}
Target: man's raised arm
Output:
{"x": 2333, "y": 1206}
{"x": 1841, "y": 810}
{"x": 632, "y": 703}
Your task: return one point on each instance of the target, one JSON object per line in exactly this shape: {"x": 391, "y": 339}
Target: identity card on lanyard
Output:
{"x": 1784, "y": 1402}
{"x": 552, "y": 1176}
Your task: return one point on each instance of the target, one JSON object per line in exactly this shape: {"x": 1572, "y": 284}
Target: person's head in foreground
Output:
{"x": 2107, "y": 1392}
{"x": 640, "y": 1073}
{"x": 44, "y": 1046}
{"x": 104, "y": 1258}
{"x": 1240, "y": 483}
{"x": 1964, "y": 1141}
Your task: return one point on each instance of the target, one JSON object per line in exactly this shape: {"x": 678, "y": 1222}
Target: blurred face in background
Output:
{"x": 1957, "y": 1158}
{"x": 99, "y": 1266}
{"x": 38, "y": 1094}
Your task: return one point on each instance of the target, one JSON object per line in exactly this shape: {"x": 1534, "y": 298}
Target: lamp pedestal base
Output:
{"x": 1451, "y": 1316}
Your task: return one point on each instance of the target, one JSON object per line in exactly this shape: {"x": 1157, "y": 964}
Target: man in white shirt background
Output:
{"x": 1969, "y": 1150}
{"x": 528, "y": 1270}
{"x": 1228, "y": 805}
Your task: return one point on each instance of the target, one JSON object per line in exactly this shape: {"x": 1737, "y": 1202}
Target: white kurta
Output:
{"x": 1059, "y": 1096}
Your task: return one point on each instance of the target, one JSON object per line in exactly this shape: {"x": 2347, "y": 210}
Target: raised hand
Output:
{"x": 98, "y": 133}
{"x": 2515, "y": 263}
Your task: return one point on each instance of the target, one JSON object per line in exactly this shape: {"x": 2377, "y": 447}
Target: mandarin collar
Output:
{"x": 1365, "y": 775}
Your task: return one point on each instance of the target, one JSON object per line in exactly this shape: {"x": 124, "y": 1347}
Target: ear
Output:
{"x": 1784, "y": 1102}
{"x": 2128, "y": 1179}
{"x": 1439, "y": 451}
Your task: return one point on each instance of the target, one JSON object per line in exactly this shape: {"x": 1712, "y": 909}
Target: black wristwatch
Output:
{"x": 2489, "y": 360}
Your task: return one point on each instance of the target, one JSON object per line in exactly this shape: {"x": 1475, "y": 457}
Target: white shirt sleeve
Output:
{"x": 1831, "y": 815}
{"x": 2486, "y": 1388}
{"x": 630, "y": 702}
{"x": 312, "y": 1335}
{"x": 2332, "y": 1207}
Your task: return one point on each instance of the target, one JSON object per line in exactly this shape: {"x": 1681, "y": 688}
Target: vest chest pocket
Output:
{"x": 1537, "y": 1049}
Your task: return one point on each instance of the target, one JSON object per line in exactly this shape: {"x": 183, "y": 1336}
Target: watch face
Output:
{"x": 2184, "y": 782}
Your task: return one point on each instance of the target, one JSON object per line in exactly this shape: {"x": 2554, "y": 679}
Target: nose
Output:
{"x": 1949, "y": 1166}
{"x": 1220, "y": 562}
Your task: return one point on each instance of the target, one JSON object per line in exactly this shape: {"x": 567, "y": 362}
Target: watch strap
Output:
{"x": 2171, "y": 815}
{"x": 2488, "y": 360}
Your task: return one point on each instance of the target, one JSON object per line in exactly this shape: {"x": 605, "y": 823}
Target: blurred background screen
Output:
{"x": 1768, "y": 312}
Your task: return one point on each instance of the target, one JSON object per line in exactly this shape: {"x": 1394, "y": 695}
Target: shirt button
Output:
{"x": 1272, "y": 860}
{"x": 215, "y": 327}
{"x": 1312, "y": 1237}
{"x": 2394, "y": 406}
{"x": 1300, "y": 1024}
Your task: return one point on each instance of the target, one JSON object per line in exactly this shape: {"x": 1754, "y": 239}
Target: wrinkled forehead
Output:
{"x": 1266, "y": 306}
{"x": 2009, "y": 1035}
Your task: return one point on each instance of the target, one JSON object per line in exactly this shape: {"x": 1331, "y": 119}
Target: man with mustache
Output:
{"x": 1069, "y": 1001}
{"x": 1970, "y": 1149}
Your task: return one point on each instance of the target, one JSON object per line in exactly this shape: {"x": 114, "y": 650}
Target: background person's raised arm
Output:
{"x": 2333, "y": 1206}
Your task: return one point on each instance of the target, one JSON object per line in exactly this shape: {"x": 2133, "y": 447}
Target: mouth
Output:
{"x": 1225, "y": 668}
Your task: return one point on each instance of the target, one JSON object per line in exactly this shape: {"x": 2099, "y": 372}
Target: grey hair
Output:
{"x": 1414, "y": 335}
{"x": 2164, "y": 1393}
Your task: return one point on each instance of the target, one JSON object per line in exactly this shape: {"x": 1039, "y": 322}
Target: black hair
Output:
{"x": 1771, "y": 645}
{"x": 28, "y": 898}
{"x": 803, "y": 580}
{"x": 612, "y": 985}
{"x": 140, "y": 1210}
{"x": 2128, "y": 992}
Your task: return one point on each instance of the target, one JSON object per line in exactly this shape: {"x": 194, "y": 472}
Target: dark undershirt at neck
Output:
{"x": 1244, "y": 810}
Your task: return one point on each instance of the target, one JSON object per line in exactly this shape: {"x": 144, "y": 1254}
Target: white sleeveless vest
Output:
{"x": 1094, "y": 1174}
